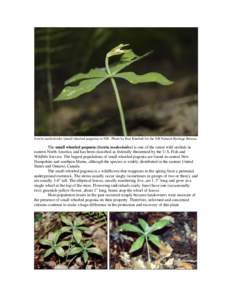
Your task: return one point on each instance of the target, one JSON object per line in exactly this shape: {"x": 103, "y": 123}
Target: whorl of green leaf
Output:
{"x": 87, "y": 82}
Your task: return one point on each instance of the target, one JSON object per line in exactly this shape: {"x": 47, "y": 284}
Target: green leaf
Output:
{"x": 48, "y": 252}
{"x": 126, "y": 60}
{"x": 65, "y": 229}
{"x": 83, "y": 228}
{"x": 59, "y": 251}
{"x": 77, "y": 235}
{"x": 85, "y": 256}
{"x": 66, "y": 220}
{"x": 130, "y": 227}
{"x": 137, "y": 244}
{"x": 145, "y": 78}
{"x": 144, "y": 224}
{"x": 75, "y": 250}
{"x": 159, "y": 224}
{"x": 38, "y": 217}
{"x": 88, "y": 244}
{"x": 64, "y": 244}
{"x": 93, "y": 73}
{"x": 45, "y": 242}
{"x": 78, "y": 222}
{"x": 154, "y": 239}
{"x": 95, "y": 250}
{"x": 85, "y": 86}
{"x": 56, "y": 236}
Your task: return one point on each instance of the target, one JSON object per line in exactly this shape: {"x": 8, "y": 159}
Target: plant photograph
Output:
{"x": 116, "y": 81}
{"x": 153, "y": 240}
{"x": 70, "y": 240}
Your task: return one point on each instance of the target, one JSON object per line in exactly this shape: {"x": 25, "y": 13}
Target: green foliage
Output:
{"x": 145, "y": 232}
{"x": 84, "y": 249}
{"x": 55, "y": 246}
{"x": 97, "y": 215}
{"x": 73, "y": 239}
{"x": 38, "y": 217}
{"x": 83, "y": 83}
{"x": 74, "y": 227}
{"x": 96, "y": 76}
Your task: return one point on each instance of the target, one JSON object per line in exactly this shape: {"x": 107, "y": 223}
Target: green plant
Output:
{"x": 55, "y": 246}
{"x": 89, "y": 81}
{"x": 145, "y": 232}
{"x": 84, "y": 249}
{"x": 75, "y": 227}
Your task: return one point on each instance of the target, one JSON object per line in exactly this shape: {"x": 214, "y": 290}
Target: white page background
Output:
{"x": 18, "y": 278}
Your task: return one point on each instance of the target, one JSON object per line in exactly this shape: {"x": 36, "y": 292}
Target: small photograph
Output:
{"x": 153, "y": 240}
{"x": 116, "y": 81}
{"x": 70, "y": 240}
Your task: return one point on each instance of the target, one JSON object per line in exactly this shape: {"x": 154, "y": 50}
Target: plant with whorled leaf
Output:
{"x": 146, "y": 233}
{"x": 84, "y": 249}
{"x": 54, "y": 245}
{"x": 74, "y": 227}
{"x": 83, "y": 83}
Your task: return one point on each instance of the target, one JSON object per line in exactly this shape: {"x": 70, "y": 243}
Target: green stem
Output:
{"x": 49, "y": 73}
{"x": 148, "y": 253}
{"x": 117, "y": 96}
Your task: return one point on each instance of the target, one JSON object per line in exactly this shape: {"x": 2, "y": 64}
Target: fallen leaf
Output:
{"x": 118, "y": 266}
{"x": 100, "y": 240}
{"x": 125, "y": 257}
{"x": 165, "y": 250}
{"x": 176, "y": 238}
{"x": 138, "y": 264}
{"x": 183, "y": 265}
{"x": 61, "y": 267}
{"x": 169, "y": 263}
{"x": 51, "y": 264}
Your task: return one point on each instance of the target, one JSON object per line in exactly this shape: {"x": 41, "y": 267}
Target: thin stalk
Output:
{"x": 69, "y": 247}
{"x": 117, "y": 96}
{"x": 72, "y": 260}
{"x": 148, "y": 253}
{"x": 49, "y": 73}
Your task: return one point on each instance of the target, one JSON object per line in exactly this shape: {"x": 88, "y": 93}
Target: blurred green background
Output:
{"x": 150, "y": 109}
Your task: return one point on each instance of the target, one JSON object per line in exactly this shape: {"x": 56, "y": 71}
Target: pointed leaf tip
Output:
{"x": 84, "y": 87}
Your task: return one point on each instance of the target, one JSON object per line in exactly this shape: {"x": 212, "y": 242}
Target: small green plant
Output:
{"x": 145, "y": 232}
{"x": 75, "y": 227}
{"x": 84, "y": 249}
{"x": 55, "y": 246}
{"x": 87, "y": 82}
